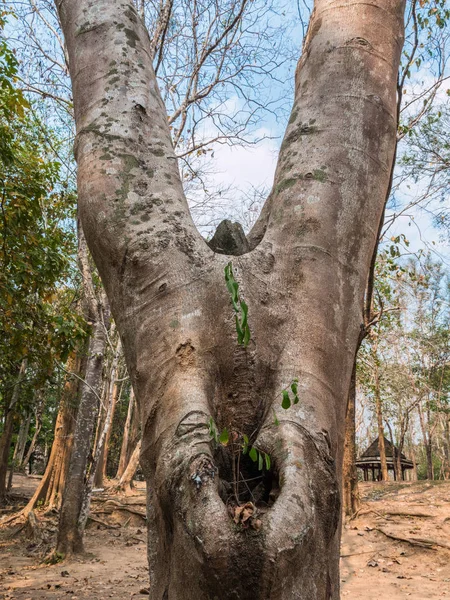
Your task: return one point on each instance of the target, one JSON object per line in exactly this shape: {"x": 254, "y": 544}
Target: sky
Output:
{"x": 245, "y": 173}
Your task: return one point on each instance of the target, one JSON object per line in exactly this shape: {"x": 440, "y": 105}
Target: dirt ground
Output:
{"x": 374, "y": 566}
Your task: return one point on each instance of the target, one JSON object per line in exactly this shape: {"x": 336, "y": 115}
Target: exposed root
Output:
{"x": 422, "y": 542}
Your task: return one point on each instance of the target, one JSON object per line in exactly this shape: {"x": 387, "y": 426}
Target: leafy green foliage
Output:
{"x": 38, "y": 314}
{"x": 287, "y": 401}
{"x": 239, "y": 306}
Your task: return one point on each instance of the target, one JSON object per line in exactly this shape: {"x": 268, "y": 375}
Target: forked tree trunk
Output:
{"x": 350, "y": 495}
{"x": 303, "y": 281}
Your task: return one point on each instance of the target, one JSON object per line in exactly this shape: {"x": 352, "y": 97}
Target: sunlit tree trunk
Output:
{"x": 379, "y": 413}
{"x": 37, "y": 430}
{"x": 124, "y": 449}
{"x": 126, "y": 480}
{"x": 303, "y": 280}
{"x": 350, "y": 492}
{"x": 49, "y": 490}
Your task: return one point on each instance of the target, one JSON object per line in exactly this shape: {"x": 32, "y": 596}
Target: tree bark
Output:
{"x": 19, "y": 449}
{"x": 379, "y": 413}
{"x": 101, "y": 444}
{"x": 427, "y": 442}
{"x": 126, "y": 480}
{"x": 6, "y": 437}
{"x": 70, "y": 535}
{"x": 303, "y": 282}
{"x": 105, "y": 428}
{"x": 124, "y": 449}
{"x": 37, "y": 430}
{"x": 51, "y": 486}
{"x": 349, "y": 473}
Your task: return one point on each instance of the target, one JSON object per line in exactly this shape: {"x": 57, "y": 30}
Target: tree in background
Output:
{"x": 38, "y": 321}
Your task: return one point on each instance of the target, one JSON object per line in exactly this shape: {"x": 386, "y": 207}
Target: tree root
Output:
{"x": 422, "y": 542}
{"x": 104, "y": 523}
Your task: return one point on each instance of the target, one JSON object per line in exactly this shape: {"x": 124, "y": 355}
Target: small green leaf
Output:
{"x": 275, "y": 418}
{"x": 260, "y": 461}
{"x": 245, "y": 444}
{"x": 224, "y": 437}
{"x": 253, "y": 454}
{"x": 294, "y": 387}
{"x": 286, "y": 403}
{"x": 268, "y": 462}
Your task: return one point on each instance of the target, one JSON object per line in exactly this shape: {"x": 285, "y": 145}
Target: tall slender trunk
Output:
{"x": 379, "y": 412}
{"x": 427, "y": 442}
{"x": 349, "y": 472}
{"x": 37, "y": 430}
{"x": 126, "y": 480}
{"x": 446, "y": 444}
{"x": 22, "y": 438}
{"x": 19, "y": 449}
{"x": 50, "y": 488}
{"x": 70, "y": 536}
{"x": 124, "y": 449}
{"x": 6, "y": 437}
{"x": 105, "y": 427}
{"x": 101, "y": 445}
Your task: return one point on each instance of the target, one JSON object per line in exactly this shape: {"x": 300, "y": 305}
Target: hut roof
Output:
{"x": 372, "y": 454}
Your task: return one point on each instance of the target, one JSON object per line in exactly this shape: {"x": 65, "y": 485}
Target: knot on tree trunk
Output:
{"x": 229, "y": 238}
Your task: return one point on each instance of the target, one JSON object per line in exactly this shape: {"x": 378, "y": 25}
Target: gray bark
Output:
{"x": 70, "y": 533}
{"x": 303, "y": 281}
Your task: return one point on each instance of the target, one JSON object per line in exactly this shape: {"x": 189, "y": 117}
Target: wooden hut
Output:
{"x": 370, "y": 462}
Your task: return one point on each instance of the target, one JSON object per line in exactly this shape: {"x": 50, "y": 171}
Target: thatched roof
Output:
{"x": 372, "y": 454}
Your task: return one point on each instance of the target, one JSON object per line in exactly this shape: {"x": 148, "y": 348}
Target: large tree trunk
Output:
{"x": 303, "y": 281}
{"x": 350, "y": 495}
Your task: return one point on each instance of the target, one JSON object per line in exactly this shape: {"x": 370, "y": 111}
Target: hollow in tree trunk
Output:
{"x": 303, "y": 278}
